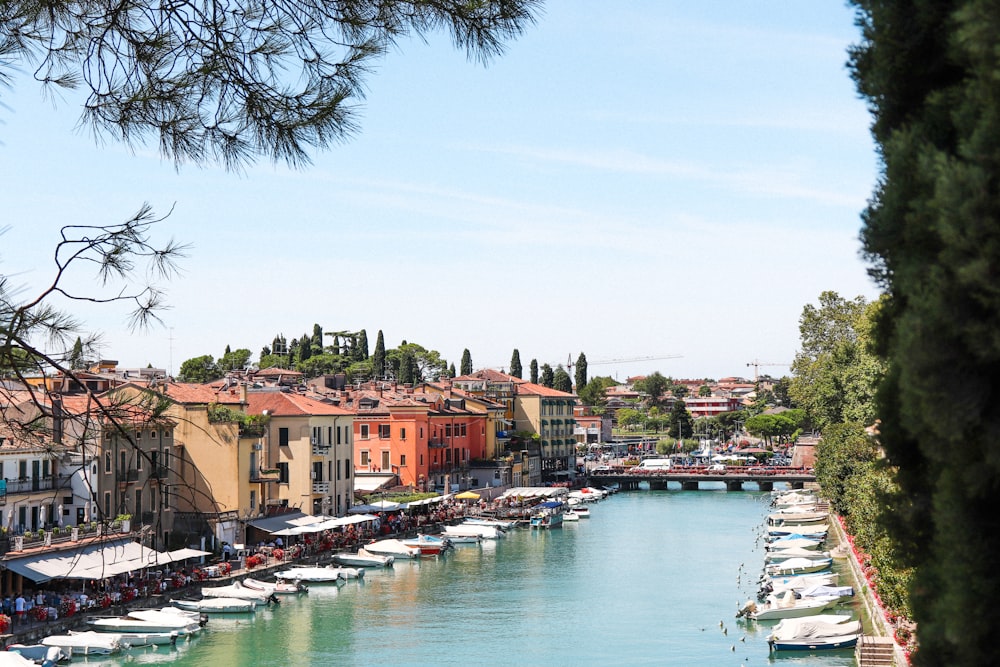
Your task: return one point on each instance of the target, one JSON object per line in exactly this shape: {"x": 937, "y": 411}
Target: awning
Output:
{"x": 94, "y": 561}
{"x": 273, "y": 524}
{"x": 371, "y": 482}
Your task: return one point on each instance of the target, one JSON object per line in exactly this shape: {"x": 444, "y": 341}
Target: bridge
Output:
{"x": 690, "y": 478}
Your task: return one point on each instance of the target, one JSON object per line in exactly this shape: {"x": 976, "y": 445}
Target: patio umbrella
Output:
{"x": 467, "y": 495}
{"x": 41, "y": 516}
{"x": 10, "y": 519}
{"x": 86, "y": 512}
{"x": 60, "y": 515}
{"x": 387, "y": 505}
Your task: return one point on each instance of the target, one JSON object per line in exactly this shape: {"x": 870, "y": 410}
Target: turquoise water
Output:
{"x": 652, "y": 578}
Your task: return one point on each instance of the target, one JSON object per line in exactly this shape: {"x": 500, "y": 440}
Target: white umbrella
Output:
{"x": 41, "y": 516}
{"x": 86, "y": 512}
{"x": 10, "y": 519}
{"x": 59, "y": 517}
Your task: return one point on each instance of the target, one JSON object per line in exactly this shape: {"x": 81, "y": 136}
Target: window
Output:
{"x": 22, "y": 469}
{"x": 45, "y": 468}
{"x": 339, "y": 466}
{"x": 383, "y": 432}
{"x": 402, "y": 459}
{"x": 421, "y": 459}
{"x": 364, "y": 457}
{"x": 138, "y": 461}
{"x": 283, "y": 472}
{"x": 253, "y": 500}
{"x": 463, "y": 430}
{"x": 421, "y": 432}
{"x": 364, "y": 431}
{"x": 122, "y": 461}
{"x": 386, "y": 461}
{"x": 107, "y": 504}
{"x": 402, "y": 433}
{"x": 138, "y": 504}
{"x": 347, "y": 470}
{"x": 283, "y": 437}
{"x": 447, "y": 430}
{"x": 152, "y": 434}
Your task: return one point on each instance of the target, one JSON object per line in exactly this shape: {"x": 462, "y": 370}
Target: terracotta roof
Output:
{"x": 287, "y": 404}
{"x": 191, "y": 393}
{"x": 491, "y": 375}
{"x": 274, "y": 371}
{"x": 530, "y": 389}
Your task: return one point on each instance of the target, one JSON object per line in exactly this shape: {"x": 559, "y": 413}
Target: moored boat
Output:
{"x": 216, "y": 605}
{"x": 483, "y": 531}
{"x": 799, "y": 565}
{"x": 84, "y": 643}
{"x": 548, "y": 514}
{"x": 275, "y": 587}
{"x": 319, "y": 574}
{"x": 363, "y": 558}
{"x": 429, "y": 545}
{"x": 785, "y": 606}
{"x": 393, "y": 547}
{"x": 815, "y": 633}
{"x": 236, "y": 590}
{"x": 34, "y": 654}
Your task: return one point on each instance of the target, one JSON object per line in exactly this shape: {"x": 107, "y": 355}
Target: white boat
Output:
{"x": 129, "y": 624}
{"x": 826, "y": 590}
{"x": 793, "y": 542}
{"x": 786, "y": 606}
{"x": 32, "y": 655}
{"x": 464, "y": 539}
{"x": 779, "y": 585}
{"x": 216, "y": 605}
{"x": 429, "y": 545}
{"x": 548, "y": 514}
{"x": 799, "y": 566}
{"x": 84, "y": 643}
{"x": 393, "y": 548}
{"x": 797, "y": 518}
{"x": 320, "y": 574}
{"x": 169, "y": 619}
{"x": 813, "y": 633}
{"x": 235, "y": 590}
{"x": 137, "y": 639}
{"x": 779, "y": 555}
{"x": 483, "y": 531}
{"x": 571, "y": 517}
{"x": 13, "y": 658}
{"x": 581, "y": 511}
{"x": 274, "y": 587}
{"x": 496, "y": 523}
{"x": 363, "y": 558}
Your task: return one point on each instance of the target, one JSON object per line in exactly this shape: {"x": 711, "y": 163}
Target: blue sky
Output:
{"x": 630, "y": 180}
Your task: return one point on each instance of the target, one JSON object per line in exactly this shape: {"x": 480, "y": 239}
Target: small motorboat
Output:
{"x": 429, "y": 545}
{"x": 571, "y": 516}
{"x": 815, "y": 633}
{"x": 216, "y": 605}
{"x": 237, "y": 590}
{"x": 84, "y": 643}
{"x": 136, "y": 639}
{"x": 785, "y": 606}
{"x": 33, "y": 655}
{"x": 484, "y": 531}
{"x": 394, "y": 548}
{"x": 320, "y": 574}
{"x": 275, "y": 587}
{"x": 582, "y": 511}
{"x": 363, "y": 558}
{"x": 799, "y": 566}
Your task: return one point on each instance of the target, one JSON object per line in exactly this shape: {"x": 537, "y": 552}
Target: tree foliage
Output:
{"x": 515, "y": 364}
{"x": 681, "y": 423}
{"x": 561, "y": 381}
{"x": 836, "y": 371}
{"x": 653, "y": 385}
{"x": 466, "y": 362}
{"x": 533, "y": 370}
{"x": 580, "y": 374}
{"x": 548, "y": 377}
{"x": 593, "y": 393}
{"x": 932, "y": 234}
{"x": 241, "y": 80}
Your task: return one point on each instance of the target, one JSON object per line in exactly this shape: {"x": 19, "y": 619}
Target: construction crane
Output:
{"x": 570, "y": 363}
{"x": 757, "y": 366}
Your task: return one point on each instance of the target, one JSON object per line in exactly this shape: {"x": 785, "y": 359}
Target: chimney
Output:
{"x": 57, "y": 420}
{"x": 243, "y": 392}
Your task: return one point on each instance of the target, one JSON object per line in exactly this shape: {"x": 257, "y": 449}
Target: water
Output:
{"x": 652, "y": 578}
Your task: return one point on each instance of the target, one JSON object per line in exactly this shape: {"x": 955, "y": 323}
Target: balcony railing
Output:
{"x": 29, "y": 484}
{"x": 265, "y": 475}
{"x": 126, "y": 476}
{"x": 159, "y": 472}
{"x": 321, "y": 487}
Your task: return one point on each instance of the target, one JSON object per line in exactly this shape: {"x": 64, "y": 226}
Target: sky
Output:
{"x": 660, "y": 185}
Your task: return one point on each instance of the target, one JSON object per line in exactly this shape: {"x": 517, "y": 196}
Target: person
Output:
{"x": 227, "y": 551}
{"x": 20, "y": 608}
{"x": 279, "y": 542}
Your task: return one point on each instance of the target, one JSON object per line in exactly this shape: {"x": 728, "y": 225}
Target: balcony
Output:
{"x": 263, "y": 475}
{"x": 127, "y": 476}
{"x": 321, "y": 488}
{"x": 321, "y": 450}
{"x": 159, "y": 473}
{"x": 30, "y": 484}
{"x": 148, "y": 518}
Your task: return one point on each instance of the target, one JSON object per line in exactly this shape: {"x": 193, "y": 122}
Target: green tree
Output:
{"x": 515, "y": 364}
{"x": 362, "y": 346}
{"x": 533, "y": 370}
{"x": 316, "y": 340}
{"x": 378, "y": 357}
{"x": 628, "y": 418}
{"x": 561, "y": 381}
{"x": 681, "y": 423}
{"x": 580, "y": 375}
{"x": 451, "y": 371}
{"x": 653, "y": 385}
{"x": 704, "y": 390}
{"x": 548, "y": 377}
{"x": 593, "y": 393}
{"x": 233, "y": 360}
{"x": 466, "y": 362}
{"x": 836, "y": 372}
{"x": 199, "y": 369}
{"x": 932, "y": 234}
{"x": 407, "y": 365}
{"x": 76, "y": 360}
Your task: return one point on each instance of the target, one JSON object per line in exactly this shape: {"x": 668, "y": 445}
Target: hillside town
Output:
{"x": 197, "y": 465}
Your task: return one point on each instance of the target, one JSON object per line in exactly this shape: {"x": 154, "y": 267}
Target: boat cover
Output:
{"x": 833, "y": 591}
{"x": 815, "y": 630}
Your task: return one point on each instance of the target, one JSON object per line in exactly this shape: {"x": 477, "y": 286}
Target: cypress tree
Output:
{"x": 581, "y": 372}
{"x": 548, "y": 377}
{"x": 466, "y": 362}
{"x": 515, "y": 364}
{"x": 561, "y": 381}
{"x": 451, "y": 371}
{"x": 362, "y": 346}
{"x": 378, "y": 359}
{"x": 533, "y": 370}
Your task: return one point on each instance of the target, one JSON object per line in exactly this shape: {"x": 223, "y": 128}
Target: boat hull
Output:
{"x": 815, "y": 644}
